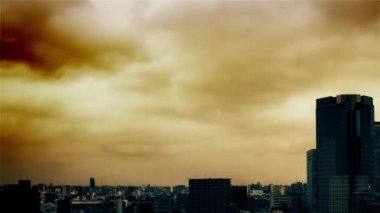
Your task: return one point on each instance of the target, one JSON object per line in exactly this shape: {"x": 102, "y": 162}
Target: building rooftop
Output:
{"x": 357, "y": 98}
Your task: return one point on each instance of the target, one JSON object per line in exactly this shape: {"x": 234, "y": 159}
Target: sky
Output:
{"x": 157, "y": 92}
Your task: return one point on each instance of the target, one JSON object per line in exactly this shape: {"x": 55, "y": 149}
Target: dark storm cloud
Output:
{"x": 226, "y": 84}
{"x": 42, "y": 35}
{"x": 350, "y": 14}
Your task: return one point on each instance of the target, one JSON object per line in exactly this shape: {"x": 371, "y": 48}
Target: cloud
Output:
{"x": 52, "y": 36}
{"x": 128, "y": 149}
{"x": 227, "y": 57}
{"x": 352, "y": 15}
{"x": 217, "y": 83}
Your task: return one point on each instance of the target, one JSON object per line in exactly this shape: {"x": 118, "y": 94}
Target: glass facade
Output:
{"x": 377, "y": 156}
{"x": 338, "y": 190}
{"x": 311, "y": 193}
{"x": 345, "y": 144}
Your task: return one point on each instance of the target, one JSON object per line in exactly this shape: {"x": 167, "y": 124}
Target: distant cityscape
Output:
{"x": 343, "y": 176}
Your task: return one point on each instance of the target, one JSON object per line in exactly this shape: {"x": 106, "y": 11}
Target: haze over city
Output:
{"x": 157, "y": 92}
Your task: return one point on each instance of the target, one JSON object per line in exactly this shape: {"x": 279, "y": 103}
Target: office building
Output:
{"x": 210, "y": 195}
{"x": 345, "y": 156}
{"x": 311, "y": 191}
{"x": 279, "y": 198}
{"x": 239, "y": 196}
{"x": 120, "y": 205}
{"x": 64, "y": 205}
{"x": 92, "y": 183}
{"x": 181, "y": 202}
{"x": 92, "y": 189}
{"x": 20, "y": 198}
{"x": 377, "y": 157}
{"x": 163, "y": 204}
{"x": 297, "y": 191}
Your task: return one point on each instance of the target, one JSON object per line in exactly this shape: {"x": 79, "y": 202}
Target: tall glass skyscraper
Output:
{"x": 377, "y": 156}
{"x": 92, "y": 183}
{"x": 311, "y": 190}
{"x": 345, "y": 150}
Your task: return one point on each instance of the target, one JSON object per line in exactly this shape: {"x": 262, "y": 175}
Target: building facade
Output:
{"x": 279, "y": 197}
{"x": 345, "y": 156}
{"x": 377, "y": 157}
{"x": 210, "y": 195}
{"x": 92, "y": 183}
{"x": 239, "y": 196}
{"x": 163, "y": 204}
{"x": 311, "y": 191}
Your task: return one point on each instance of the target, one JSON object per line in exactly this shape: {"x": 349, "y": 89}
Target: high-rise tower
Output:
{"x": 92, "y": 183}
{"x": 377, "y": 156}
{"x": 311, "y": 191}
{"x": 345, "y": 156}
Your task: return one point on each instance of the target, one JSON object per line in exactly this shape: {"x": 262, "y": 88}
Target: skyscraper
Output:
{"x": 311, "y": 193}
{"x": 210, "y": 195}
{"x": 92, "y": 184}
{"x": 377, "y": 156}
{"x": 119, "y": 205}
{"x": 345, "y": 156}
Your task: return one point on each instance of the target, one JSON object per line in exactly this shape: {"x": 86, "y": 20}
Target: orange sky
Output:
{"x": 157, "y": 92}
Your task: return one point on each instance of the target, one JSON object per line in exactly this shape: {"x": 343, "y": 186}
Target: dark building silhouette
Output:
{"x": 210, "y": 195}
{"x": 20, "y": 198}
{"x": 181, "y": 202}
{"x": 64, "y": 205}
{"x": 80, "y": 191}
{"x": 377, "y": 157}
{"x": 92, "y": 183}
{"x": 311, "y": 200}
{"x": 24, "y": 184}
{"x": 163, "y": 204}
{"x": 345, "y": 150}
{"x": 298, "y": 193}
{"x": 239, "y": 196}
{"x": 297, "y": 202}
{"x": 50, "y": 197}
{"x": 256, "y": 204}
{"x": 146, "y": 206}
{"x": 250, "y": 204}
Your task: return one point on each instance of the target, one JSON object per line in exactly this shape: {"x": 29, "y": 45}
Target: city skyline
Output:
{"x": 157, "y": 92}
